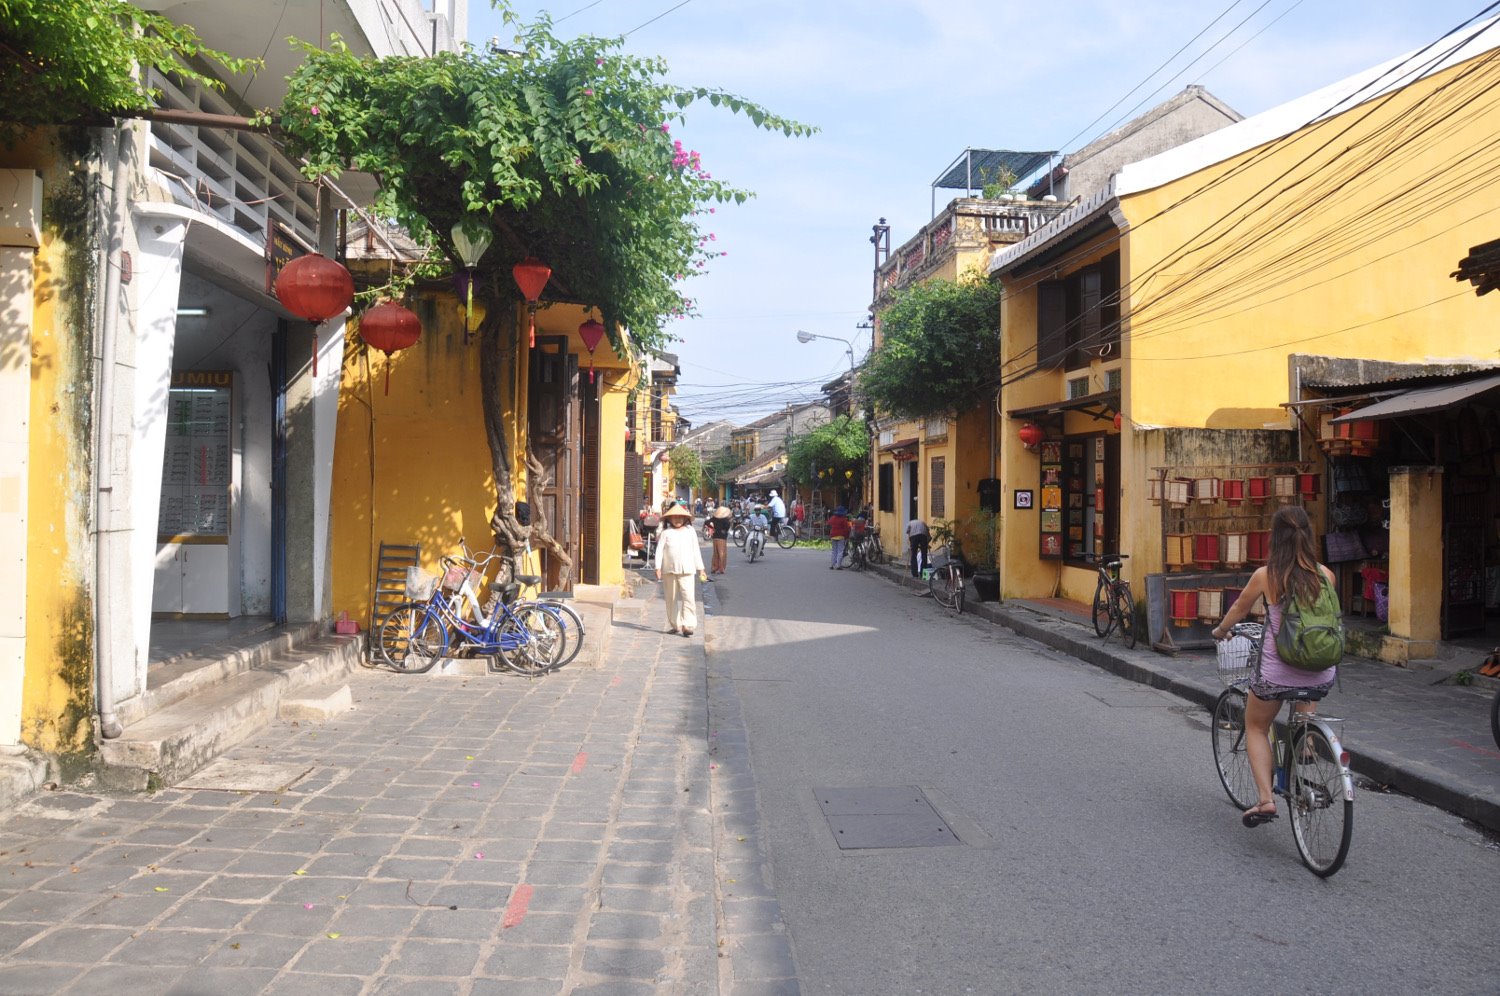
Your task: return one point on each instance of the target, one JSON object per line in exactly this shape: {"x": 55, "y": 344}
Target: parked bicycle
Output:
{"x": 1114, "y": 608}
{"x": 946, "y": 580}
{"x": 1311, "y": 766}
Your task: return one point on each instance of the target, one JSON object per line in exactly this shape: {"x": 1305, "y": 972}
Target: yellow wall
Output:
{"x": 57, "y": 694}
{"x": 414, "y": 466}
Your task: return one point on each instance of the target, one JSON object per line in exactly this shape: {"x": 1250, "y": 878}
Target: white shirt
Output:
{"x": 916, "y": 527}
{"x": 677, "y": 551}
{"x": 778, "y": 508}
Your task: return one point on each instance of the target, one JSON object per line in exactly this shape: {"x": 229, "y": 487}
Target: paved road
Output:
{"x": 1099, "y": 852}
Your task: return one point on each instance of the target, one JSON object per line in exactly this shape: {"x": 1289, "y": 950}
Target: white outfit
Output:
{"x": 679, "y": 560}
{"x": 778, "y": 508}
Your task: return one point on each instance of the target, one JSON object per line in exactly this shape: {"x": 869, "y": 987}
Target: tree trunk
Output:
{"x": 499, "y": 345}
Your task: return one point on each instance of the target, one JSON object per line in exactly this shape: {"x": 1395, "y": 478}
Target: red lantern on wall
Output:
{"x": 1031, "y": 435}
{"x": 592, "y": 333}
{"x": 389, "y": 328}
{"x": 315, "y": 289}
{"x": 531, "y": 276}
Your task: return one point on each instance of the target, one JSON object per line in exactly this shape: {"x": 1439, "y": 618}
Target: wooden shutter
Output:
{"x": 937, "y": 483}
{"x": 1051, "y": 323}
{"x": 589, "y": 512}
{"x": 886, "y": 498}
{"x": 1109, "y": 306}
{"x": 634, "y": 495}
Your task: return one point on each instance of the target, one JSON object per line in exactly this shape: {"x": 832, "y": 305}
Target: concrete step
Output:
{"x": 23, "y": 772}
{"x": 171, "y": 743}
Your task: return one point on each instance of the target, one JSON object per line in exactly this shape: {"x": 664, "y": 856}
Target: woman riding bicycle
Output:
{"x": 1291, "y": 568}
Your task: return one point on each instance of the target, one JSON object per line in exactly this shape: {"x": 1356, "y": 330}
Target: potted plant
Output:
{"x": 981, "y": 530}
{"x": 946, "y": 532}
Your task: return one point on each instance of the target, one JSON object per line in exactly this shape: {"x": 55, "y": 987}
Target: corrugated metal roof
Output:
{"x": 1423, "y": 399}
{"x": 975, "y": 167}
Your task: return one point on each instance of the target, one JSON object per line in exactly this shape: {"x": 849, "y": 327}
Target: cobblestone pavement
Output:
{"x": 451, "y": 835}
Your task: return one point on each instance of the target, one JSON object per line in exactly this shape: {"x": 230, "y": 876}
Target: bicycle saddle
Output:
{"x": 527, "y": 578}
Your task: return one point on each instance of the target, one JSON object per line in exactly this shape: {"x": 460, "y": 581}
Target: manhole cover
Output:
{"x": 883, "y": 817}
{"x": 246, "y": 776}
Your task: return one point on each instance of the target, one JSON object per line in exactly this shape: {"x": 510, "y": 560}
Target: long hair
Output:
{"x": 1292, "y": 567}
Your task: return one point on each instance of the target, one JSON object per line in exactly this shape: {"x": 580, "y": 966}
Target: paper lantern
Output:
{"x": 1184, "y": 608}
{"x": 1259, "y": 546}
{"x": 1284, "y": 486}
{"x": 531, "y": 276}
{"x": 315, "y": 289}
{"x": 1308, "y": 485}
{"x": 1257, "y": 489}
{"x": 389, "y": 328}
{"x": 1206, "y": 490}
{"x": 1235, "y": 549}
{"x": 1206, "y": 550}
{"x": 1210, "y": 604}
{"x": 592, "y": 333}
{"x": 1179, "y": 550}
{"x": 1031, "y": 434}
{"x": 1233, "y": 492}
{"x": 1156, "y": 488}
{"x": 1179, "y": 490}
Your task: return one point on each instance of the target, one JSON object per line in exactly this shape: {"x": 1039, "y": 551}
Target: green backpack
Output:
{"x": 1311, "y": 637}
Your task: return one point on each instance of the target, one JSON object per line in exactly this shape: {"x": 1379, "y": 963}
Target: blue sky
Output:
{"x": 899, "y": 89}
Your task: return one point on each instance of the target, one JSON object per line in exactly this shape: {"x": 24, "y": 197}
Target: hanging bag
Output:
{"x": 1311, "y": 637}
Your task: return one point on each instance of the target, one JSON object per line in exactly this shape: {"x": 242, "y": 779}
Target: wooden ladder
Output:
{"x": 390, "y": 579}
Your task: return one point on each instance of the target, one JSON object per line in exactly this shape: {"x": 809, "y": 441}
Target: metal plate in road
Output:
{"x": 863, "y": 818}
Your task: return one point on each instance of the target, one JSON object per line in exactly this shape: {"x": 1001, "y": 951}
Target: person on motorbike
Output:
{"x": 757, "y": 525}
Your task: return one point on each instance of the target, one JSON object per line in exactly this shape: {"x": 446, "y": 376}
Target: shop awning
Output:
{"x": 1102, "y": 405}
{"x": 900, "y": 444}
{"x": 1423, "y": 399}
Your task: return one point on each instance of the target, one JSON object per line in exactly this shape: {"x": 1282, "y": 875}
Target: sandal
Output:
{"x": 1257, "y": 814}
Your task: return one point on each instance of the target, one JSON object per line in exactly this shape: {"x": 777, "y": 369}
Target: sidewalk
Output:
{"x": 1405, "y": 728}
{"x": 464, "y": 835}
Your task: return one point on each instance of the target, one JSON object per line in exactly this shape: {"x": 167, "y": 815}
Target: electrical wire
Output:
{"x": 580, "y": 10}
{"x": 658, "y": 17}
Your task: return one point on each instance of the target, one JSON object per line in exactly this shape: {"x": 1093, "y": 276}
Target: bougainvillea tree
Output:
{"x": 563, "y": 150}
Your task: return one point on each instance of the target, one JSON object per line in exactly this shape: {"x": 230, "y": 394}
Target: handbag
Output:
{"x": 1343, "y": 545}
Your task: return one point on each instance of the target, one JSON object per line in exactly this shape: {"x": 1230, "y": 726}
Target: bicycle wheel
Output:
{"x": 846, "y": 559}
{"x": 1230, "y": 756}
{"x": 1102, "y": 621}
{"x": 940, "y": 586}
{"x": 1124, "y": 613}
{"x": 786, "y": 537}
{"x": 572, "y": 624}
{"x": 957, "y": 586}
{"x": 532, "y": 640}
{"x": 738, "y": 534}
{"x": 1322, "y": 819}
{"x": 873, "y": 552}
{"x": 412, "y": 638}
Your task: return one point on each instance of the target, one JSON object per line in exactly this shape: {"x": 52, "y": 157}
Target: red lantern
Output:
{"x": 592, "y": 333}
{"x": 1119, "y": 420}
{"x": 389, "y": 328}
{"x": 1031, "y": 434}
{"x": 315, "y": 289}
{"x": 531, "y": 276}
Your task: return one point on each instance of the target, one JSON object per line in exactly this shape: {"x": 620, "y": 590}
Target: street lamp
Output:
{"x": 806, "y": 337}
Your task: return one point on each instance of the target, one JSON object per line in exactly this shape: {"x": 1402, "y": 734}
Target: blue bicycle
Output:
{"x": 527, "y": 637}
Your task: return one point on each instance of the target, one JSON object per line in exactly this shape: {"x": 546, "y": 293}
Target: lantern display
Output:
{"x": 531, "y": 276}
{"x": 1210, "y": 604}
{"x": 1308, "y": 485}
{"x": 1258, "y": 547}
{"x": 315, "y": 289}
{"x": 592, "y": 333}
{"x": 1179, "y": 550}
{"x": 1184, "y": 606}
{"x": 389, "y": 328}
{"x": 1206, "y": 550}
{"x": 1231, "y": 595}
{"x": 1235, "y": 549}
{"x": 469, "y": 241}
{"x": 1178, "y": 491}
{"x": 1233, "y": 492}
{"x": 1284, "y": 486}
{"x": 1156, "y": 488}
{"x": 1257, "y": 489}
{"x": 1206, "y": 490}
{"x": 1031, "y": 434}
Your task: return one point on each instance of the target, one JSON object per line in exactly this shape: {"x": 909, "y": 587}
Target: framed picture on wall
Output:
{"x": 1023, "y": 498}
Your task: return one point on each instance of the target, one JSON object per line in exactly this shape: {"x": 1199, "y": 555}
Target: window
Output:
{"x": 886, "y": 498}
{"x": 1078, "y": 316}
{"x": 937, "y": 503}
{"x": 1112, "y": 379}
{"x": 1078, "y": 387}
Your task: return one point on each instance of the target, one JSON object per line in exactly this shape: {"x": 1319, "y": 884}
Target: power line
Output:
{"x": 580, "y": 10}
{"x": 658, "y": 17}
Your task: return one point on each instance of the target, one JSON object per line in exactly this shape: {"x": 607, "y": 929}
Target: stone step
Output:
{"x": 23, "y": 773}
{"x": 171, "y": 743}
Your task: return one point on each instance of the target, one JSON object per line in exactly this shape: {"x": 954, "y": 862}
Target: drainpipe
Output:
{"x": 104, "y": 468}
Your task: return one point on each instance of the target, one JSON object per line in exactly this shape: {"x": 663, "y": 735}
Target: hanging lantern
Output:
{"x": 469, "y": 241}
{"x": 1156, "y": 488}
{"x": 1233, "y": 492}
{"x": 1257, "y": 489}
{"x": 1308, "y": 485}
{"x": 1259, "y": 546}
{"x": 1206, "y": 490}
{"x": 1210, "y": 604}
{"x": 315, "y": 289}
{"x": 848, "y": 475}
{"x": 1031, "y": 434}
{"x": 1206, "y": 550}
{"x": 1178, "y": 490}
{"x": 592, "y": 333}
{"x": 531, "y": 276}
{"x": 389, "y": 328}
{"x": 1284, "y": 486}
{"x": 1236, "y": 548}
{"x": 1119, "y": 420}
{"x": 1184, "y": 606}
{"x": 1179, "y": 550}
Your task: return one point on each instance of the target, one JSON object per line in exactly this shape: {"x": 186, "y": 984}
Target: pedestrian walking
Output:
{"x": 1292, "y": 577}
{"x": 799, "y": 516}
{"x": 678, "y": 562}
{"x": 838, "y": 531}
{"x": 719, "y": 525}
{"x": 918, "y": 537}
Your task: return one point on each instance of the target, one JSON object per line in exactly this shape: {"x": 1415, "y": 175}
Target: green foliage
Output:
{"x": 62, "y": 60}
{"x": 833, "y": 448}
{"x": 939, "y": 349}
{"x": 981, "y": 538}
{"x": 997, "y": 181}
{"x": 565, "y": 153}
{"x": 717, "y": 468}
{"x": 687, "y": 468}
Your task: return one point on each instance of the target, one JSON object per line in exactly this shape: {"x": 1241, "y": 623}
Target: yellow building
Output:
{"x": 1190, "y": 322}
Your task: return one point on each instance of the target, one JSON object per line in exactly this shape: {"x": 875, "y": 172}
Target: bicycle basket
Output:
{"x": 453, "y": 577}
{"x": 419, "y": 584}
{"x": 1239, "y": 655}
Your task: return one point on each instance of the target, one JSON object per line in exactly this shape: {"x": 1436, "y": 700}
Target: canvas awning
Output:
{"x": 1103, "y": 405}
{"x": 1418, "y": 400}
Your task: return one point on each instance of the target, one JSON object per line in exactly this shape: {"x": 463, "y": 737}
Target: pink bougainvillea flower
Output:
{"x": 713, "y": 237}
{"x": 665, "y": 127}
{"x": 315, "y": 110}
{"x": 588, "y": 91}
{"x": 710, "y": 210}
{"x": 599, "y": 62}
